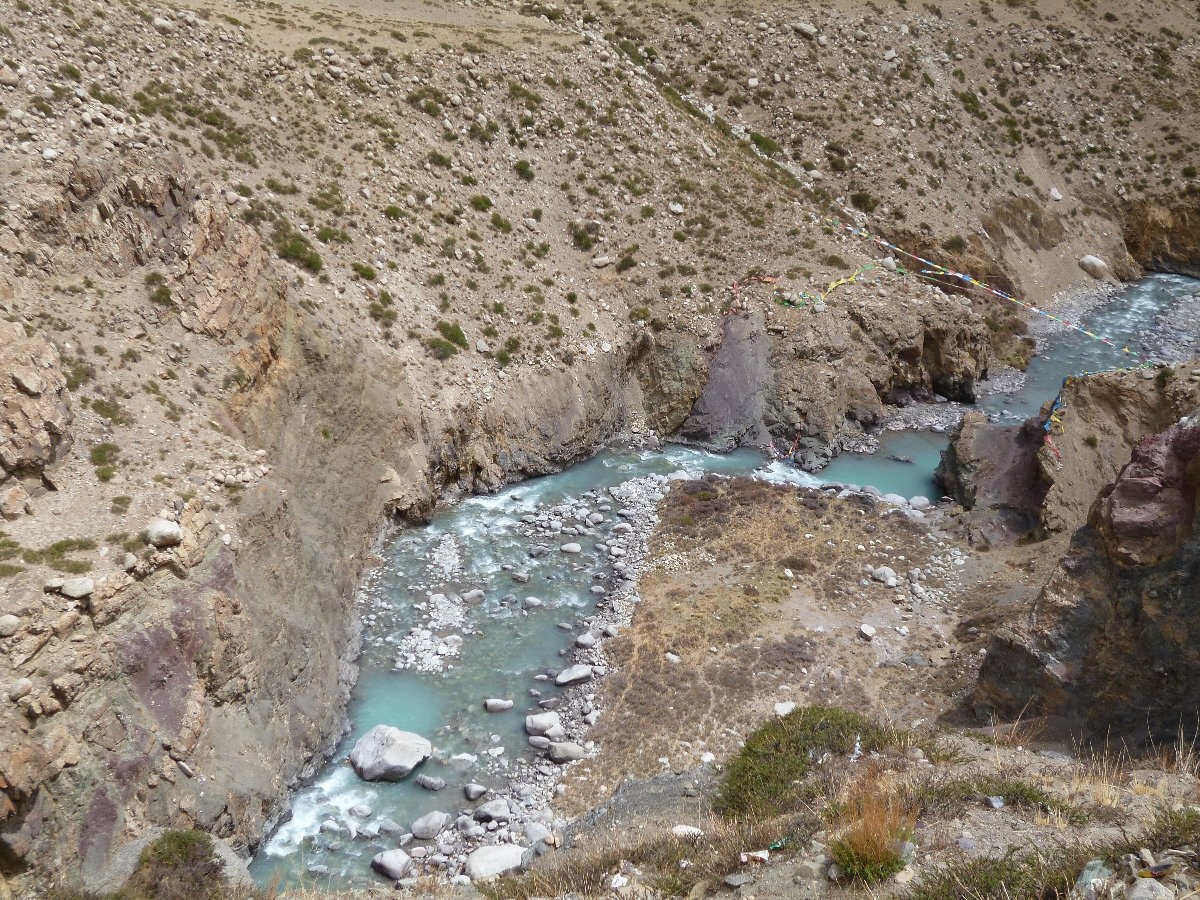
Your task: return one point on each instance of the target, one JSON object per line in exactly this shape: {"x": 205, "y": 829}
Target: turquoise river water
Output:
{"x": 506, "y": 646}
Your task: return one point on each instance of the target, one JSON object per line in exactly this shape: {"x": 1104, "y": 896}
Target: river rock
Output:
{"x": 388, "y": 754}
{"x": 565, "y": 751}
{"x": 393, "y": 864}
{"x": 585, "y": 641}
{"x": 571, "y": 547}
{"x": 430, "y": 782}
{"x": 430, "y": 825}
{"x": 496, "y": 705}
{"x": 574, "y": 675}
{"x": 487, "y": 863}
{"x": 494, "y": 811}
{"x": 541, "y": 723}
{"x": 885, "y": 575}
{"x": 687, "y": 832}
{"x": 1148, "y": 889}
{"x": 163, "y": 533}
{"x": 474, "y": 791}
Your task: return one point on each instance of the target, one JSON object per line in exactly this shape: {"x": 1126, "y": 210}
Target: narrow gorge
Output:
{"x": 565, "y": 386}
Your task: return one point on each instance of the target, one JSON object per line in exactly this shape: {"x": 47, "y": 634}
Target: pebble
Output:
{"x": 9, "y": 624}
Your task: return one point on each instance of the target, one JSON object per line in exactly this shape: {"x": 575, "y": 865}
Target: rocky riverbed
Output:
{"x": 557, "y": 570}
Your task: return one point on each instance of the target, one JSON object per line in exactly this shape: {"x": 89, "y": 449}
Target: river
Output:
{"x": 504, "y": 646}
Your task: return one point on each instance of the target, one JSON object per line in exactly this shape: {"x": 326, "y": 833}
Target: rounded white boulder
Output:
{"x": 388, "y": 754}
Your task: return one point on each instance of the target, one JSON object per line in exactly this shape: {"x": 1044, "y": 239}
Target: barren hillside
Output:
{"x": 273, "y": 273}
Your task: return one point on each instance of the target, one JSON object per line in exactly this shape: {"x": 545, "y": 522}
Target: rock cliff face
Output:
{"x": 1165, "y": 237}
{"x": 813, "y": 378}
{"x": 1110, "y": 643}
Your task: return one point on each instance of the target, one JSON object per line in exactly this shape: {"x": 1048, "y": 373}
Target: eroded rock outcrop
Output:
{"x": 35, "y": 414}
{"x": 1012, "y": 484}
{"x": 1111, "y": 642}
{"x": 1148, "y": 514}
{"x": 992, "y": 473}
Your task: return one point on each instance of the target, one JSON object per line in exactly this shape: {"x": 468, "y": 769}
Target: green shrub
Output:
{"x": 864, "y": 201}
{"x": 955, "y": 244}
{"x": 872, "y": 825}
{"x": 440, "y": 348}
{"x": 180, "y": 865}
{"x": 524, "y": 169}
{"x": 1014, "y": 875}
{"x": 109, "y": 409}
{"x": 393, "y": 212}
{"x": 584, "y": 234}
{"x": 104, "y": 454}
{"x": 452, "y": 332}
{"x": 57, "y": 555}
{"x": 363, "y": 271}
{"x": 327, "y": 234}
{"x": 765, "y": 145}
{"x": 480, "y": 203}
{"x": 765, "y": 777}
{"x": 281, "y": 187}
{"x": 295, "y": 247}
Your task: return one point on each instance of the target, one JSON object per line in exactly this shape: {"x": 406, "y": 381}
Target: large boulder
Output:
{"x": 388, "y": 754}
{"x": 576, "y": 674}
{"x": 1094, "y": 266}
{"x": 729, "y": 411}
{"x": 541, "y": 723}
{"x": 565, "y": 751}
{"x": 487, "y": 863}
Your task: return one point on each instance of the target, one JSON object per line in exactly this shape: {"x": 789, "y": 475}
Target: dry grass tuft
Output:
{"x": 1180, "y": 757}
{"x": 872, "y": 824}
